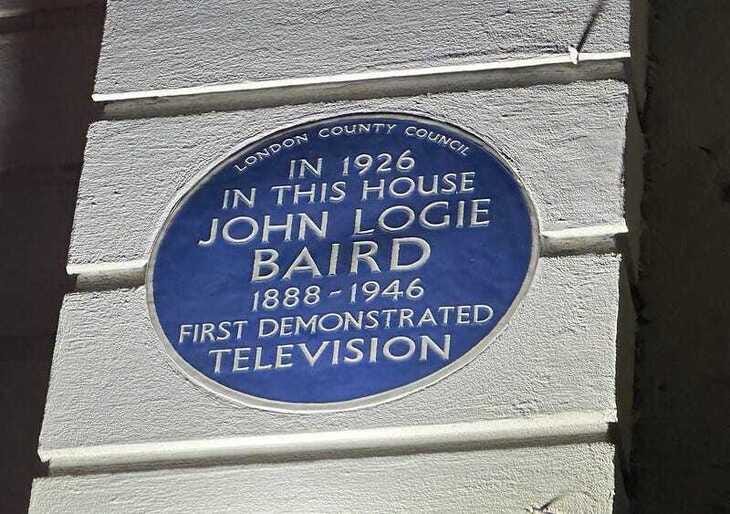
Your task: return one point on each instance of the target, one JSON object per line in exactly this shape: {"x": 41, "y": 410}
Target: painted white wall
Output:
{"x": 574, "y": 479}
{"x": 111, "y": 384}
{"x": 564, "y": 141}
{"x": 179, "y": 43}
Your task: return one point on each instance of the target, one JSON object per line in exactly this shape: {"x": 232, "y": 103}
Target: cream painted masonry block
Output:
{"x": 111, "y": 382}
{"x": 179, "y": 43}
{"x": 565, "y": 142}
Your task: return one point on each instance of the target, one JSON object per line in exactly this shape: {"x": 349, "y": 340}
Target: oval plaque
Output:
{"x": 341, "y": 262}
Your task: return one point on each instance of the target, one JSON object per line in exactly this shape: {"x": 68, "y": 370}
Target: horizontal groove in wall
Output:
{"x": 597, "y": 239}
{"x": 107, "y": 275}
{"x": 546, "y": 430}
{"x": 559, "y": 69}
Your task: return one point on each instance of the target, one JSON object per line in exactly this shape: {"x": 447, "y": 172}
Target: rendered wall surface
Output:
{"x": 527, "y": 424}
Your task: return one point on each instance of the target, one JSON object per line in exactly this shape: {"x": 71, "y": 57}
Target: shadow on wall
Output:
{"x": 682, "y": 436}
{"x": 48, "y": 61}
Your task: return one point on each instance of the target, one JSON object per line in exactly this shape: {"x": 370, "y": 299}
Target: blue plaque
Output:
{"x": 342, "y": 262}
